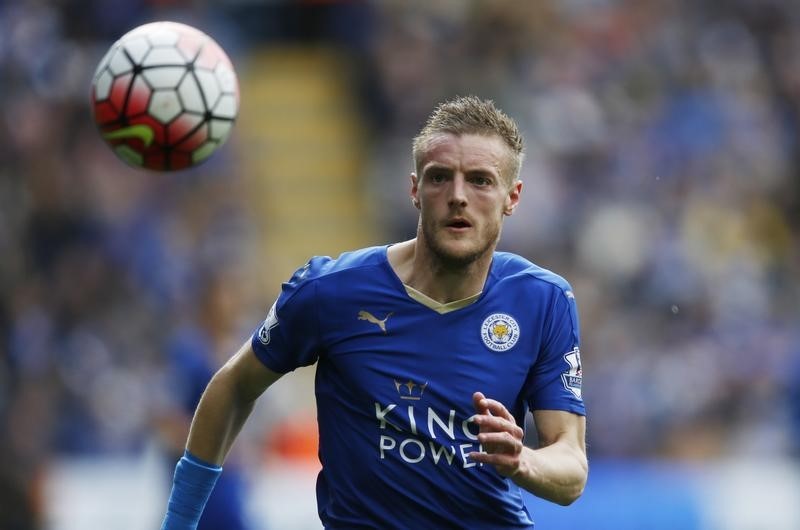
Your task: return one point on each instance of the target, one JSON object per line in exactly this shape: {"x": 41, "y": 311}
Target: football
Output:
{"x": 165, "y": 96}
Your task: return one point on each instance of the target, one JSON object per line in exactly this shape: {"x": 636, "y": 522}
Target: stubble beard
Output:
{"x": 450, "y": 260}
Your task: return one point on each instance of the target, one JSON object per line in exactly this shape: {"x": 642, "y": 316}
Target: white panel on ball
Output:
{"x": 164, "y": 105}
{"x": 226, "y": 108}
{"x": 102, "y": 87}
{"x": 209, "y": 86}
{"x": 165, "y": 77}
{"x": 190, "y": 95}
{"x": 163, "y": 57}
{"x": 137, "y": 48}
{"x": 219, "y": 129}
{"x": 163, "y": 37}
{"x": 225, "y": 77}
{"x": 119, "y": 63}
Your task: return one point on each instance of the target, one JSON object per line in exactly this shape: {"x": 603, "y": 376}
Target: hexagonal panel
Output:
{"x": 210, "y": 56}
{"x": 163, "y": 57}
{"x": 164, "y": 77}
{"x": 190, "y": 45}
{"x": 102, "y": 87}
{"x": 137, "y": 48}
{"x": 204, "y": 151}
{"x": 179, "y": 160}
{"x": 138, "y": 97}
{"x": 104, "y": 112}
{"x": 143, "y": 30}
{"x": 119, "y": 63}
{"x": 119, "y": 90}
{"x": 164, "y": 105}
{"x": 209, "y": 85}
{"x": 226, "y": 78}
{"x": 196, "y": 139}
{"x": 163, "y": 37}
{"x": 219, "y": 129}
{"x": 226, "y": 107}
{"x": 190, "y": 95}
{"x": 182, "y": 126}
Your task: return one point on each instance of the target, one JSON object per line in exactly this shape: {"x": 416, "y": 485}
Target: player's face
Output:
{"x": 463, "y": 193}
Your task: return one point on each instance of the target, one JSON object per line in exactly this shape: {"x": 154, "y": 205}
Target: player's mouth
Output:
{"x": 458, "y": 224}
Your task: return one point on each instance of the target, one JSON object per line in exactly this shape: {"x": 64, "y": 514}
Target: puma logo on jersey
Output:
{"x": 369, "y": 317}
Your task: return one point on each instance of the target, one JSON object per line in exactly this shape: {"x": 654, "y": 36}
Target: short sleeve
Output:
{"x": 288, "y": 338}
{"x": 556, "y": 378}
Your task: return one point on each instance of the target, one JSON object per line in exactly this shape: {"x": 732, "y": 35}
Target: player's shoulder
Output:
{"x": 325, "y": 270}
{"x": 323, "y": 267}
{"x": 514, "y": 268}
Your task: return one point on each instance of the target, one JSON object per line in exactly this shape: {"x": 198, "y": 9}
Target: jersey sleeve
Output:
{"x": 556, "y": 377}
{"x": 289, "y": 336}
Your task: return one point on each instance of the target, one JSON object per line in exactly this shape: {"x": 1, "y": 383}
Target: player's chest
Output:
{"x": 408, "y": 349}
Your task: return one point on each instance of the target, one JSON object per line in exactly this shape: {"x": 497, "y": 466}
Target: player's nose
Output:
{"x": 458, "y": 192}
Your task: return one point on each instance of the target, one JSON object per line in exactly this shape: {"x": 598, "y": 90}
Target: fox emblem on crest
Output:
{"x": 369, "y": 317}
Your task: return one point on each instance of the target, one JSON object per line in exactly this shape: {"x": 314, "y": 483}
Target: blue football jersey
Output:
{"x": 395, "y": 378}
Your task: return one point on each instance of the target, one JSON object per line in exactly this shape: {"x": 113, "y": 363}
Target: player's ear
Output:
{"x": 414, "y": 190}
{"x": 512, "y": 199}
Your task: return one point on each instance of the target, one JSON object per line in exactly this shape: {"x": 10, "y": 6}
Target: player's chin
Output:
{"x": 459, "y": 253}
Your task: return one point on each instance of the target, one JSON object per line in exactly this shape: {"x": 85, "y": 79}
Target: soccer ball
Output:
{"x": 165, "y": 96}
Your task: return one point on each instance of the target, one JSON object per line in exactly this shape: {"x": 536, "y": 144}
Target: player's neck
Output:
{"x": 419, "y": 268}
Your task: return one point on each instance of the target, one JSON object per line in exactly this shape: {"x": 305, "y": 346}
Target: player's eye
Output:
{"x": 481, "y": 181}
{"x": 437, "y": 178}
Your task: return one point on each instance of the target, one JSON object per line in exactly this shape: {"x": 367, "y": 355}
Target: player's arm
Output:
{"x": 225, "y": 405}
{"x": 556, "y": 471}
{"x": 287, "y": 339}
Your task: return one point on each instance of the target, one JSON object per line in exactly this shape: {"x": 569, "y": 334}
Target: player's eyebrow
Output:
{"x": 435, "y": 166}
{"x": 481, "y": 172}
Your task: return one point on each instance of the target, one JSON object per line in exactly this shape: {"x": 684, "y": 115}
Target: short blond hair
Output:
{"x": 471, "y": 115}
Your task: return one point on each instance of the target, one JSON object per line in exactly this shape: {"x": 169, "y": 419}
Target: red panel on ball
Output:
{"x": 119, "y": 90}
{"x": 104, "y": 113}
{"x": 195, "y": 140}
{"x": 182, "y": 126}
{"x": 139, "y": 97}
{"x": 155, "y": 160}
{"x": 179, "y": 160}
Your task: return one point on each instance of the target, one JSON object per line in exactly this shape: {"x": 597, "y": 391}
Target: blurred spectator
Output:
{"x": 192, "y": 357}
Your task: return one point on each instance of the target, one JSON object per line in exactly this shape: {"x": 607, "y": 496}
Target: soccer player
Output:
{"x": 429, "y": 354}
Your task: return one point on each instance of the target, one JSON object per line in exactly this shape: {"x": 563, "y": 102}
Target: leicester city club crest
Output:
{"x": 500, "y": 332}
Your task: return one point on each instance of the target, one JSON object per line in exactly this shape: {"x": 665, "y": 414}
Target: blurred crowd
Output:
{"x": 662, "y": 179}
